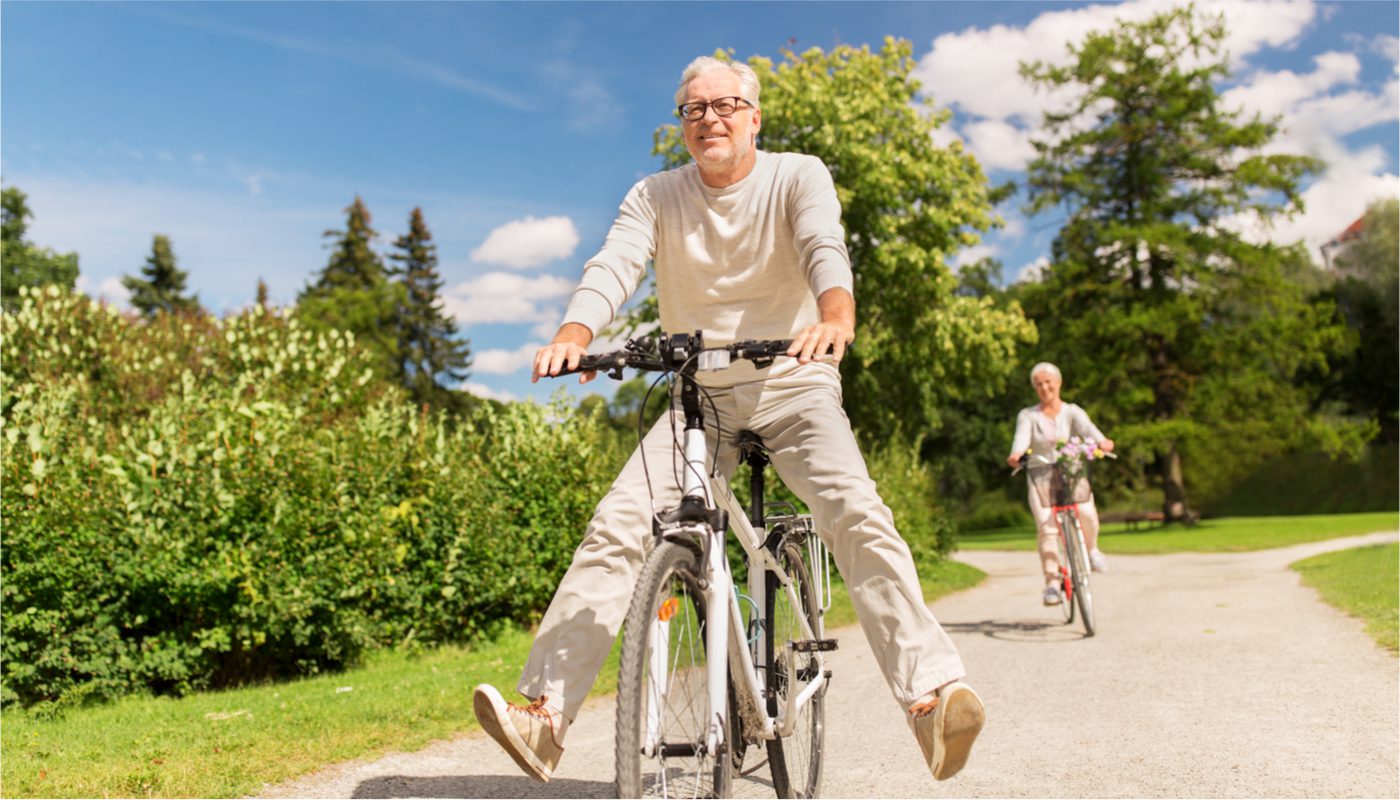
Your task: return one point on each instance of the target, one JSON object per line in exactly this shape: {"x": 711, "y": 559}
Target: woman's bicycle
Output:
{"x": 704, "y": 679}
{"x": 1063, "y": 494}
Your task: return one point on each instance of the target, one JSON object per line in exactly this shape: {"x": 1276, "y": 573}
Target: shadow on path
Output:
{"x": 480, "y": 786}
{"x": 1034, "y": 631}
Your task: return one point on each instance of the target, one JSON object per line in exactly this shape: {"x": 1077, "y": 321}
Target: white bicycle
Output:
{"x": 705, "y": 680}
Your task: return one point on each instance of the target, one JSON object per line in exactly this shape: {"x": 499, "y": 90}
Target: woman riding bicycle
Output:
{"x": 1038, "y": 429}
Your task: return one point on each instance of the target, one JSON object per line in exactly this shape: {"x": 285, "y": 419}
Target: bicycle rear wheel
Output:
{"x": 796, "y": 760}
{"x": 1079, "y": 572}
{"x": 663, "y": 709}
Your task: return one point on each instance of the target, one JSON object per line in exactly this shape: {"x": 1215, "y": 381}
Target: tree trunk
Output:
{"x": 1173, "y": 486}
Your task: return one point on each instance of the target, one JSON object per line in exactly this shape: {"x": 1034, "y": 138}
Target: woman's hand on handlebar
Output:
{"x": 569, "y": 345}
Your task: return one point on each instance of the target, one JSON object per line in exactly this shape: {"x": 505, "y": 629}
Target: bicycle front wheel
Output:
{"x": 795, "y": 760}
{"x": 1064, "y": 583}
{"x": 663, "y": 712}
{"x": 1079, "y": 572}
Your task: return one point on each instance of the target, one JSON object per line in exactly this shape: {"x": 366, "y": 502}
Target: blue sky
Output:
{"x": 243, "y": 130}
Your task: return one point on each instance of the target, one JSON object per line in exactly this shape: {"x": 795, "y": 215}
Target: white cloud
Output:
{"x": 110, "y": 289}
{"x": 1033, "y": 272}
{"x": 506, "y": 297}
{"x": 1332, "y": 202}
{"x": 482, "y": 390}
{"x": 505, "y": 362}
{"x": 1274, "y": 93}
{"x": 1388, "y": 47}
{"x": 999, "y": 145}
{"x": 976, "y": 71}
{"x": 971, "y": 255}
{"x": 529, "y": 242}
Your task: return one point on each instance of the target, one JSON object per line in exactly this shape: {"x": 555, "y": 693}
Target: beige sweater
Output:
{"x": 747, "y": 261}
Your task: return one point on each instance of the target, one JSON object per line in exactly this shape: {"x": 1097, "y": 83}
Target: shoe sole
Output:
{"x": 504, "y": 733}
{"x": 957, "y": 721}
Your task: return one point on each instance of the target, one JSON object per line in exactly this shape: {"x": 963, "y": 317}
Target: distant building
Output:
{"x": 1340, "y": 243}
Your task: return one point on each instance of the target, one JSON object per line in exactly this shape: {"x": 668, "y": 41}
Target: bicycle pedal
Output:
{"x": 814, "y": 645}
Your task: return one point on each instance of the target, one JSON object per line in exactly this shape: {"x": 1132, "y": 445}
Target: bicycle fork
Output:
{"x": 716, "y": 597}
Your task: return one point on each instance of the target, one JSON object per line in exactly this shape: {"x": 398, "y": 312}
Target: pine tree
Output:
{"x": 353, "y": 291}
{"x": 428, "y": 347}
{"x": 161, "y": 289}
{"x": 262, "y": 298}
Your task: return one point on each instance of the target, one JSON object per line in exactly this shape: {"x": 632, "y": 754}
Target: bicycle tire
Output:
{"x": 795, "y": 761}
{"x": 1066, "y": 583}
{"x": 671, "y": 573}
{"x": 1079, "y": 572}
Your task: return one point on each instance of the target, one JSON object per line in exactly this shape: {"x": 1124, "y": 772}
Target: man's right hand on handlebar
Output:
{"x": 570, "y": 344}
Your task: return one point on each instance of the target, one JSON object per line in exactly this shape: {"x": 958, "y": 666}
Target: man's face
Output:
{"x": 719, "y": 143}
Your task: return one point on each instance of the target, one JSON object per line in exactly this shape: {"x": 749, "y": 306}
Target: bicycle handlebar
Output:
{"x": 679, "y": 352}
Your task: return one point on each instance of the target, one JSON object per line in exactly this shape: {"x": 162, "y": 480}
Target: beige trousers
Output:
{"x": 1047, "y": 532}
{"x": 813, "y": 450}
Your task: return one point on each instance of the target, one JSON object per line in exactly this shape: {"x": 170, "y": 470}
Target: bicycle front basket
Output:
{"x": 1051, "y": 489}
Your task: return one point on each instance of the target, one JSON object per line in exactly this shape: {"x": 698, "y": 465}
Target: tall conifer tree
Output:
{"x": 428, "y": 344}
{"x": 354, "y": 293}
{"x": 161, "y": 287}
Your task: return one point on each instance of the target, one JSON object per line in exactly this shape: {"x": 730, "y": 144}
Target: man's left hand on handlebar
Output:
{"x": 570, "y": 344}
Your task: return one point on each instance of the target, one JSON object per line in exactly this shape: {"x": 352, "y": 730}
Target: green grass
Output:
{"x": 1362, "y": 582}
{"x": 1229, "y": 534}
{"x": 228, "y": 744}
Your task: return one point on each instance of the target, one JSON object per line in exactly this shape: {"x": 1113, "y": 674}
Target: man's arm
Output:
{"x": 837, "y": 328}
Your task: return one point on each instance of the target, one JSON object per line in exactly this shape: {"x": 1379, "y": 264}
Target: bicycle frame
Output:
{"x": 723, "y": 616}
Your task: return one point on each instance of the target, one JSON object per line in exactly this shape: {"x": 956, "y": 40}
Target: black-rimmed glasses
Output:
{"x": 723, "y": 107}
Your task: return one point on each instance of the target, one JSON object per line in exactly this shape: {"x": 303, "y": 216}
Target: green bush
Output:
{"x": 994, "y": 509}
{"x": 908, "y": 487}
{"x": 195, "y": 503}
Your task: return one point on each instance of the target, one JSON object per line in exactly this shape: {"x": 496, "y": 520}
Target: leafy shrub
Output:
{"x": 195, "y": 503}
{"x": 908, "y": 487}
{"x": 995, "y": 510}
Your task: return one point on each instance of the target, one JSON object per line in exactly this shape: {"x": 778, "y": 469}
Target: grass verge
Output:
{"x": 1228, "y": 534}
{"x": 1361, "y": 582}
{"x": 231, "y": 743}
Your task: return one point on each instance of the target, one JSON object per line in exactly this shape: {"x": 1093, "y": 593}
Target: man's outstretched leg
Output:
{"x": 583, "y": 618}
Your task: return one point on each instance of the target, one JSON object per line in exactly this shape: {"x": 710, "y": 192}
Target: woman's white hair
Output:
{"x": 748, "y": 79}
{"x": 1046, "y": 366}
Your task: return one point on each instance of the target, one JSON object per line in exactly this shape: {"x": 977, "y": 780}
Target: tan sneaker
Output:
{"x": 946, "y": 727}
{"x": 530, "y": 734}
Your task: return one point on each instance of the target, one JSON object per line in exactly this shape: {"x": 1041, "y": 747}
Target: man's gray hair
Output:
{"x": 1046, "y": 366}
{"x": 748, "y": 79}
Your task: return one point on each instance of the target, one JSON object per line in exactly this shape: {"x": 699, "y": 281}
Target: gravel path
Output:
{"x": 1213, "y": 675}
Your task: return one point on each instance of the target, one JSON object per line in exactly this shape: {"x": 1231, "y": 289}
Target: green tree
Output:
{"x": 908, "y": 204}
{"x": 161, "y": 287}
{"x": 1185, "y": 337}
{"x": 354, "y": 293}
{"x": 1366, "y": 292}
{"x": 429, "y": 350}
{"x": 21, "y": 262}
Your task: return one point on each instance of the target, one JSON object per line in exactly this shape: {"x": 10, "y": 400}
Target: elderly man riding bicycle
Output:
{"x": 746, "y": 245}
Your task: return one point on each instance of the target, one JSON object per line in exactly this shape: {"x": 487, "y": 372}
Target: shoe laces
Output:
{"x": 536, "y": 709}
{"x": 923, "y": 709}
